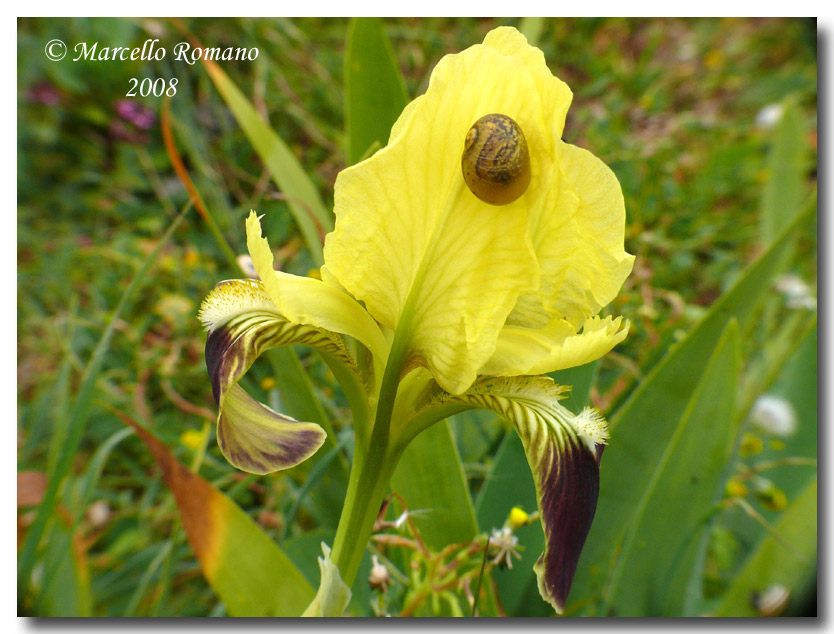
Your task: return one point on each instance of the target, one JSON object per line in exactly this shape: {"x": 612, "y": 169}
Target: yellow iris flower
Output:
{"x": 453, "y": 303}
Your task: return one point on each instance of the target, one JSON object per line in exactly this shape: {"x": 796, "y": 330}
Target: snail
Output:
{"x": 495, "y": 160}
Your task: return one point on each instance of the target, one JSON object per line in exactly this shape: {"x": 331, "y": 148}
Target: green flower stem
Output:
{"x": 371, "y": 472}
{"x": 373, "y": 466}
{"x": 368, "y": 485}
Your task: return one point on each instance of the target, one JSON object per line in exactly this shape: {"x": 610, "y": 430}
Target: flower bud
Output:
{"x": 379, "y": 577}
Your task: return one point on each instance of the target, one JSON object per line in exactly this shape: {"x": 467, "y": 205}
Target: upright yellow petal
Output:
{"x": 554, "y": 93}
{"x": 579, "y": 247}
{"x": 409, "y": 231}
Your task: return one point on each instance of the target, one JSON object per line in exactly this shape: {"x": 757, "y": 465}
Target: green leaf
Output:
{"x": 430, "y": 477}
{"x": 656, "y": 561}
{"x": 786, "y": 558}
{"x": 532, "y": 29}
{"x": 786, "y": 187}
{"x": 302, "y": 197}
{"x": 247, "y": 570}
{"x": 643, "y": 427}
{"x": 299, "y": 400}
{"x": 797, "y": 383}
{"x": 65, "y": 589}
{"x": 333, "y": 594}
{"x": 375, "y": 93}
{"x": 510, "y": 483}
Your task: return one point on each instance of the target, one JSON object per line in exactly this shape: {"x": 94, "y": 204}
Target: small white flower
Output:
{"x": 244, "y": 261}
{"x": 505, "y": 542}
{"x": 769, "y": 116}
{"x": 774, "y": 415}
{"x": 98, "y": 513}
{"x": 400, "y": 521}
{"x": 773, "y": 601}
{"x": 797, "y": 292}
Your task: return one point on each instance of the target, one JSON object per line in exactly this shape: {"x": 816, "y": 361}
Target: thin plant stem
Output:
{"x": 751, "y": 512}
{"x": 789, "y": 461}
{"x": 480, "y": 578}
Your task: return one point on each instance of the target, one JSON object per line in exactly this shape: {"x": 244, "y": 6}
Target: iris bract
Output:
{"x": 432, "y": 302}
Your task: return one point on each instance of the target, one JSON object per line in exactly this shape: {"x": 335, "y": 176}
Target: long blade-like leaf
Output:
{"x": 510, "y": 483}
{"x": 65, "y": 589}
{"x": 532, "y": 28}
{"x": 302, "y": 198}
{"x": 430, "y": 477}
{"x": 786, "y": 185}
{"x": 642, "y": 428}
{"x": 656, "y": 561}
{"x": 249, "y": 572}
{"x": 299, "y": 400}
{"x": 374, "y": 88}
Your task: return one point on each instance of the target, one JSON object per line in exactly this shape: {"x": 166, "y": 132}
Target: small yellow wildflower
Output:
{"x": 192, "y": 438}
{"x": 773, "y": 499}
{"x": 750, "y": 445}
{"x": 518, "y": 518}
{"x": 736, "y": 489}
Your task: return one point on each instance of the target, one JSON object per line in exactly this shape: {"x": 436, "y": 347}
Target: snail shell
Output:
{"x": 495, "y": 160}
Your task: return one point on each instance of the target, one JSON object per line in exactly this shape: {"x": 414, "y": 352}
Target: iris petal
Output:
{"x": 256, "y": 439}
{"x": 567, "y": 485}
{"x": 243, "y": 323}
{"x": 563, "y": 452}
{"x": 305, "y": 300}
{"x": 577, "y": 232}
{"x": 554, "y": 93}
{"x": 557, "y": 346}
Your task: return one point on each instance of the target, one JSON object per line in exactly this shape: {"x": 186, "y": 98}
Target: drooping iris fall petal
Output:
{"x": 242, "y": 323}
{"x": 563, "y": 452}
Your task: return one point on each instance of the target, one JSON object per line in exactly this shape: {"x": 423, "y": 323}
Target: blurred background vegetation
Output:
{"x": 709, "y": 124}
